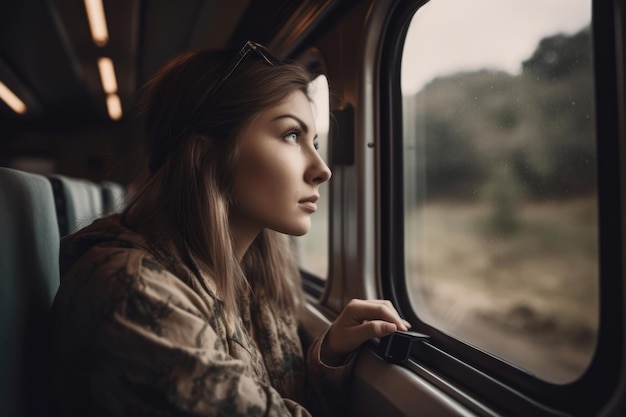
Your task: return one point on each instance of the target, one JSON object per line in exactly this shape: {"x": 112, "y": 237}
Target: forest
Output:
{"x": 534, "y": 130}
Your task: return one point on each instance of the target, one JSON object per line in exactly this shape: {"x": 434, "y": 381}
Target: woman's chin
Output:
{"x": 300, "y": 229}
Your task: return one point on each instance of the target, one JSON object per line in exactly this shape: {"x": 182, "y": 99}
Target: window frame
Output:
{"x": 450, "y": 363}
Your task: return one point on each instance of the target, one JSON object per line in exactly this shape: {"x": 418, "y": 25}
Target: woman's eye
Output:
{"x": 293, "y": 136}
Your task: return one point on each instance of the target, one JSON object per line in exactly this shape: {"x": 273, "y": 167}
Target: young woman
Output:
{"x": 187, "y": 302}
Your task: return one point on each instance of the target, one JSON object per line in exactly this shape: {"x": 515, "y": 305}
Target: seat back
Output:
{"x": 78, "y": 202}
{"x": 113, "y": 196}
{"x": 29, "y": 279}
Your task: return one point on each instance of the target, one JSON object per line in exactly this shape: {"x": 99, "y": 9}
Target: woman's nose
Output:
{"x": 318, "y": 171}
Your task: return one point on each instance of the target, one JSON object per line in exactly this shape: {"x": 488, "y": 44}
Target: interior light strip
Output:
{"x": 97, "y": 22}
{"x": 11, "y": 99}
{"x": 107, "y": 75}
{"x": 114, "y": 106}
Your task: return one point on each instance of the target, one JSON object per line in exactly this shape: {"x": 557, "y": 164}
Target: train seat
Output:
{"x": 29, "y": 279}
{"x": 78, "y": 202}
{"x": 113, "y": 196}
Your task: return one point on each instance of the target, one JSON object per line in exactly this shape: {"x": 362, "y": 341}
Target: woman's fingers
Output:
{"x": 390, "y": 305}
{"x": 362, "y": 310}
{"x": 374, "y": 328}
{"x": 361, "y": 320}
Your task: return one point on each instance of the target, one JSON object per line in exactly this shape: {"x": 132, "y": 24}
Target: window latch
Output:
{"x": 396, "y": 348}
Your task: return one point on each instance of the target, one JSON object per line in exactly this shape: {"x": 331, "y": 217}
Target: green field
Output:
{"x": 529, "y": 296}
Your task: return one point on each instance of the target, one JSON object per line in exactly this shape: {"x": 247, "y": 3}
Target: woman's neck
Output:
{"x": 243, "y": 234}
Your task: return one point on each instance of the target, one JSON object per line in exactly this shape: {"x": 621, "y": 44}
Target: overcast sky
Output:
{"x": 447, "y": 36}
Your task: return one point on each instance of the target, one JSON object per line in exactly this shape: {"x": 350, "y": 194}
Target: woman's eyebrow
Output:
{"x": 303, "y": 125}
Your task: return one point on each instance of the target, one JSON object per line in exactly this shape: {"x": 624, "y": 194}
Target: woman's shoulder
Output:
{"x": 105, "y": 274}
{"x": 107, "y": 235}
{"x": 108, "y": 267}
{"x": 104, "y": 252}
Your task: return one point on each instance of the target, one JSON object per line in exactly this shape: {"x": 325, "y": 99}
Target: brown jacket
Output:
{"x": 133, "y": 336}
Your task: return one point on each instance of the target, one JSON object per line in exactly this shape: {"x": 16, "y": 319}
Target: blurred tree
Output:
{"x": 559, "y": 56}
{"x": 540, "y": 122}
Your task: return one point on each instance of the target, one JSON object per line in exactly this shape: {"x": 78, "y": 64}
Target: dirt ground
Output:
{"x": 529, "y": 297}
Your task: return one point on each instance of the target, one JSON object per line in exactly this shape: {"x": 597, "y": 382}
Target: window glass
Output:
{"x": 313, "y": 247}
{"x": 499, "y": 161}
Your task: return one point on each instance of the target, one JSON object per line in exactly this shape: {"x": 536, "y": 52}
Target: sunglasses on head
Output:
{"x": 248, "y": 48}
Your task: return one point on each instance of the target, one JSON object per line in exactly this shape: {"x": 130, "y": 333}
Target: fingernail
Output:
{"x": 407, "y": 324}
{"x": 390, "y": 327}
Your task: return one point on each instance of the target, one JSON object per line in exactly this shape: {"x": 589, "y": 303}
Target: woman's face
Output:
{"x": 278, "y": 170}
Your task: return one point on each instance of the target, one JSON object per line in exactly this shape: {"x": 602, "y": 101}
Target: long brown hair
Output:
{"x": 192, "y": 142}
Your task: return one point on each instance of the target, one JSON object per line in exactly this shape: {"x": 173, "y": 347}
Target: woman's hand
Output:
{"x": 359, "y": 321}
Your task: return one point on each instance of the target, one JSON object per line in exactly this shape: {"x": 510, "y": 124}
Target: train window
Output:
{"x": 500, "y": 196}
{"x": 312, "y": 248}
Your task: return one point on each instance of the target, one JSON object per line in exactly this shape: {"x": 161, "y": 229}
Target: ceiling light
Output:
{"x": 11, "y": 99}
{"x": 97, "y": 22}
{"x": 107, "y": 75}
{"x": 114, "y": 106}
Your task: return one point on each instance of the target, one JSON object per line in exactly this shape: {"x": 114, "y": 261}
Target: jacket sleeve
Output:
{"x": 154, "y": 348}
{"x": 328, "y": 386}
